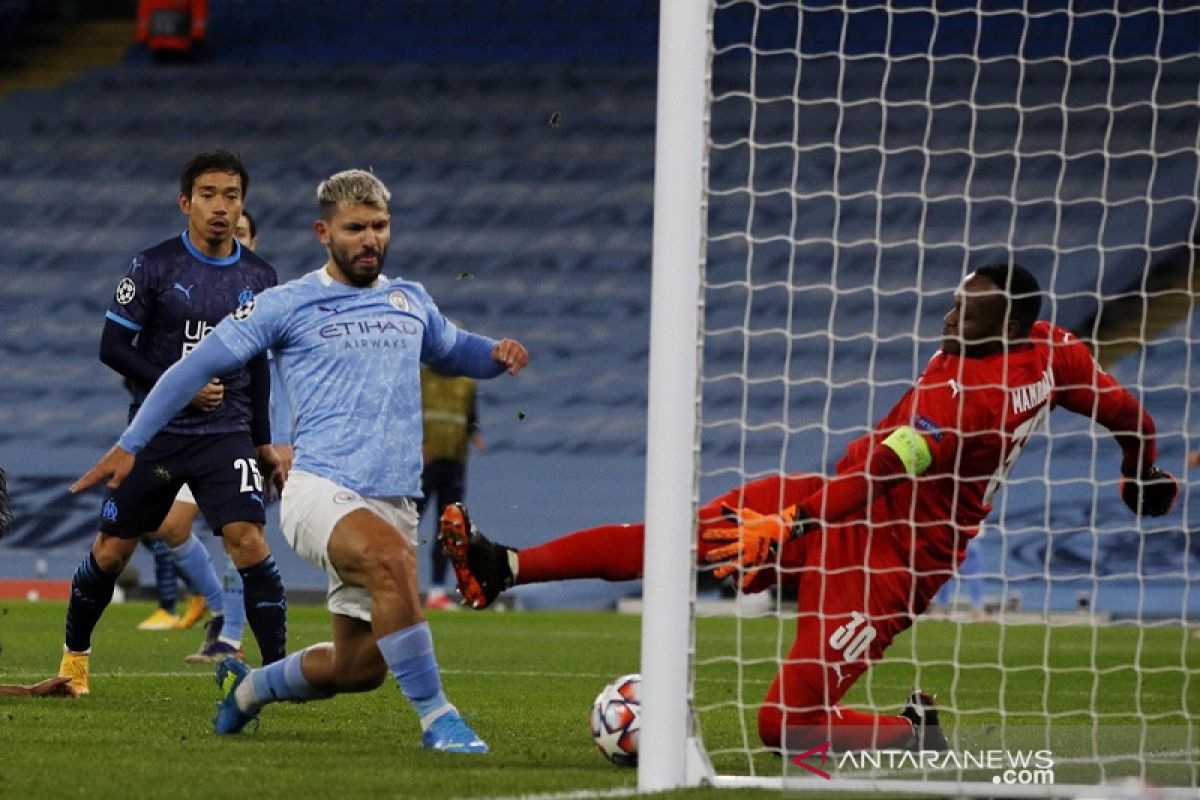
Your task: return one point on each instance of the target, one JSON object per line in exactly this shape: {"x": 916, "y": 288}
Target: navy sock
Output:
{"x": 91, "y": 592}
{"x": 266, "y": 608}
{"x": 166, "y": 576}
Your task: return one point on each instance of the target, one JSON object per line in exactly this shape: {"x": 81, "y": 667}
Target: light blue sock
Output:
{"x": 196, "y": 565}
{"x": 235, "y": 607}
{"x": 282, "y": 680}
{"x": 166, "y": 574}
{"x": 409, "y": 655}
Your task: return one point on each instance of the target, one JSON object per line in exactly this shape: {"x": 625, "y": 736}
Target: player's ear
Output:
{"x": 185, "y": 203}
{"x": 322, "y": 230}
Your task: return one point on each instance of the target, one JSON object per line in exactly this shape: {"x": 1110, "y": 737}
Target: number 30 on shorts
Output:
{"x": 852, "y": 638}
{"x": 252, "y": 480}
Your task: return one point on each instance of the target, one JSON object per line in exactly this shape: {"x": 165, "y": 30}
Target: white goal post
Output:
{"x": 678, "y": 251}
{"x": 826, "y": 173}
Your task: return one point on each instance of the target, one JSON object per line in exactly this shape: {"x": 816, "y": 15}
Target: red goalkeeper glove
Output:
{"x": 752, "y": 539}
{"x": 1151, "y": 494}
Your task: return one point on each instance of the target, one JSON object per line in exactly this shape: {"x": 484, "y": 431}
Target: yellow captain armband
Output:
{"x": 912, "y": 448}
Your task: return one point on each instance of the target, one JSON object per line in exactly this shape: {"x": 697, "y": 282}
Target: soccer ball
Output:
{"x": 617, "y": 720}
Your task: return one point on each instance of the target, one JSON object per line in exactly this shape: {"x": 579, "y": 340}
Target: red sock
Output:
{"x": 611, "y": 552}
{"x": 845, "y": 729}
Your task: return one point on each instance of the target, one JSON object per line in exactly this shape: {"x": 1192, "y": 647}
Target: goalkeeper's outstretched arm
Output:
{"x": 1145, "y": 487}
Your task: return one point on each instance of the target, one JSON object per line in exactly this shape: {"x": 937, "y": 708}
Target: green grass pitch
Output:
{"x": 526, "y": 680}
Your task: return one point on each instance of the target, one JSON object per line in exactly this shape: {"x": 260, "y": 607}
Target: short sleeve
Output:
{"x": 1076, "y": 374}
{"x": 133, "y": 298}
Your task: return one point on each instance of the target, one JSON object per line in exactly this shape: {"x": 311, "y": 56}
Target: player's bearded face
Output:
{"x": 357, "y": 238}
{"x": 975, "y": 325}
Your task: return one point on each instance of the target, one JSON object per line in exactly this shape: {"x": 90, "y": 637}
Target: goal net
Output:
{"x": 859, "y": 159}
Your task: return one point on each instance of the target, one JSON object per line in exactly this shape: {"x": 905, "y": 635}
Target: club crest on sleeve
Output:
{"x": 126, "y": 290}
{"x": 929, "y": 426}
{"x": 398, "y": 300}
{"x": 244, "y": 310}
{"x": 245, "y": 296}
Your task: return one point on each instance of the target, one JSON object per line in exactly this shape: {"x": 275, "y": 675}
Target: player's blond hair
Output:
{"x": 355, "y": 186}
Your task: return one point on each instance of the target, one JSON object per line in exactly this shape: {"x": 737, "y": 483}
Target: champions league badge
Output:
{"x": 126, "y": 289}
{"x": 398, "y": 300}
{"x": 244, "y": 310}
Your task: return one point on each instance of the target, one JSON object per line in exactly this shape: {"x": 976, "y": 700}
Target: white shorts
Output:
{"x": 310, "y": 509}
{"x": 185, "y": 495}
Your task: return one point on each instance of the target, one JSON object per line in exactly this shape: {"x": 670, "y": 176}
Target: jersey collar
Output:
{"x": 327, "y": 280}
{"x": 232, "y": 258}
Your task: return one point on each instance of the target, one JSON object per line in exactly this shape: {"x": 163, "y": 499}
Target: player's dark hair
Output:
{"x": 250, "y": 220}
{"x": 212, "y": 161}
{"x": 1025, "y": 296}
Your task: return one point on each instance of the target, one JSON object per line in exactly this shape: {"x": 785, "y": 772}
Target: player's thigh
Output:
{"x": 224, "y": 478}
{"x": 851, "y": 604}
{"x": 361, "y": 543}
{"x": 368, "y": 550}
{"x": 315, "y": 508}
{"x": 177, "y": 526}
{"x": 139, "y": 505}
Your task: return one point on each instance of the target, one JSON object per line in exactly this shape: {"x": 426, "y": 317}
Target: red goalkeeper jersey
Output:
{"x": 976, "y": 414}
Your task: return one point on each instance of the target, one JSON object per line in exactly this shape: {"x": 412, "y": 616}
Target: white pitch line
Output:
{"x": 582, "y": 794}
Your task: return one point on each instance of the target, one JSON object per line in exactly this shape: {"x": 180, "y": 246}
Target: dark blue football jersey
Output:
{"x": 173, "y": 296}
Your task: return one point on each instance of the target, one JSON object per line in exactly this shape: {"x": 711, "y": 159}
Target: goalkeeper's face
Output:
{"x": 975, "y": 326}
{"x": 357, "y": 238}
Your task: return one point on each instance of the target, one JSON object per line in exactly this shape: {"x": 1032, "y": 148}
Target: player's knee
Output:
{"x": 368, "y": 679}
{"x": 790, "y": 729}
{"x": 173, "y": 535}
{"x": 364, "y": 673}
{"x": 245, "y": 543}
{"x": 770, "y": 726}
{"x": 113, "y": 554}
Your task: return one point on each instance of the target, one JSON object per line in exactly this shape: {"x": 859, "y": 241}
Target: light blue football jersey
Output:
{"x": 350, "y": 361}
